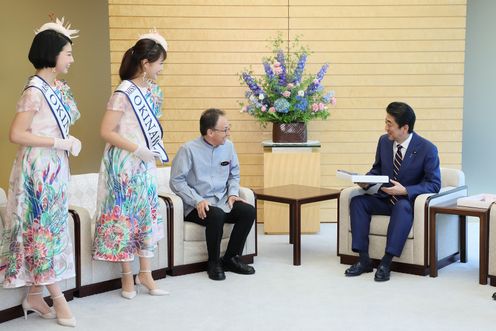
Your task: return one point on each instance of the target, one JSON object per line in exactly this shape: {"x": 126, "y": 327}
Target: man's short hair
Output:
{"x": 209, "y": 118}
{"x": 403, "y": 114}
{"x": 46, "y": 47}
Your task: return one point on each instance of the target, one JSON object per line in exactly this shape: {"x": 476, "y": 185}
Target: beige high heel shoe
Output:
{"x": 64, "y": 321}
{"x": 26, "y": 307}
{"x": 128, "y": 294}
{"x": 155, "y": 291}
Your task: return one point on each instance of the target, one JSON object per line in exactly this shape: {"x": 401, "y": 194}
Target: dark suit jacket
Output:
{"x": 419, "y": 172}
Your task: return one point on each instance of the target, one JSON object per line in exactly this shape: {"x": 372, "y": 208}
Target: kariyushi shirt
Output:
{"x": 201, "y": 171}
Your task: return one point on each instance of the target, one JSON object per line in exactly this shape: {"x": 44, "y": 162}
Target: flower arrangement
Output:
{"x": 285, "y": 94}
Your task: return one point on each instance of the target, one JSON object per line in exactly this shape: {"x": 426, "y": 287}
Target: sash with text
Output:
{"x": 150, "y": 126}
{"x": 60, "y": 113}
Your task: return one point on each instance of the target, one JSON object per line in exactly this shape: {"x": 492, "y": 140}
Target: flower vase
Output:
{"x": 289, "y": 132}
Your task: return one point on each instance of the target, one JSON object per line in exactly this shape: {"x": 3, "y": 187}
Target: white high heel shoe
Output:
{"x": 155, "y": 291}
{"x": 64, "y": 321}
{"x": 26, "y": 307}
{"x": 128, "y": 294}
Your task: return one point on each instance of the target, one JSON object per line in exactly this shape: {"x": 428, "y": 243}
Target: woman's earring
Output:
{"x": 144, "y": 76}
{"x": 53, "y": 70}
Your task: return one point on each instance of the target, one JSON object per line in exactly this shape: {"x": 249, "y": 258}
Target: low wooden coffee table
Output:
{"x": 452, "y": 208}
{"x": 295, "y": 196}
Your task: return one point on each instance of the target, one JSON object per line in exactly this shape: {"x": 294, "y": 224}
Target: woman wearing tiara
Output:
{"x": 36, "y": 248}
{"x": 128, "y": 220}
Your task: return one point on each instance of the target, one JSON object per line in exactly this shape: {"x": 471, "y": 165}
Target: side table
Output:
{"x": 304, "y": 169}
{"x": 295, "y": 196}
{"x": 452, "y": 208}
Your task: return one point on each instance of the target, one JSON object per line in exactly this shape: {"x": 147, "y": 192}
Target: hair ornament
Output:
{"x": 58, "y": 26}
{"x": 155, "y": 36}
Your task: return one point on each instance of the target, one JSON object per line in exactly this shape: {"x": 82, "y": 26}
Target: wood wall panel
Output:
{"x": 379, "y": 51}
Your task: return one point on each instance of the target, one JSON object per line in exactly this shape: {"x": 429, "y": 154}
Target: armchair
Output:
{"x": 10, "y": 303}
{"x": 415, "y": 256}
{"x": 187, "y": 244}
{"x": 100, "y": 276}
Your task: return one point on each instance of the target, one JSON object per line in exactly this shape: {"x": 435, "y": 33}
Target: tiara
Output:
{"x": 155, "y": 36}
{"x": 58, "y": 26}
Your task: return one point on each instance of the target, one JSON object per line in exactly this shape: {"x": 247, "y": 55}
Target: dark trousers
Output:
{"x": 242, "y": 215}
{"x": 362, "y": 208}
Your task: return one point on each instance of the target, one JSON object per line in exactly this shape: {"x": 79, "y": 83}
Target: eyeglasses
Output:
{"x": 226, "y": 130}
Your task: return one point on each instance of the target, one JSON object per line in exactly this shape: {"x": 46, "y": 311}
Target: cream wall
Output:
{"x": 89, "y": 76}
{"x": 379, "y": 50}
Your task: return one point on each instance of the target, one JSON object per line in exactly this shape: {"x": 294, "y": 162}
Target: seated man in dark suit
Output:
{"x": 412, "y": 164}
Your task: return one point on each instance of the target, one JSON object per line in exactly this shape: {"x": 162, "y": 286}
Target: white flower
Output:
{"x": 261, "y": 96}
{"x": 301, "y": 93}
{"x": 252, "y": 98}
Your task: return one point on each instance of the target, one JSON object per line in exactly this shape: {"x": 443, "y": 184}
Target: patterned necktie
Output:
{"x": 398, "y": 158}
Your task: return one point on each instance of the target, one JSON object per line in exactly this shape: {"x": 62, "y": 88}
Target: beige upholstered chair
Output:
{"x": 415, "y": 256}
{"x": 492, "y": 245}
{"x": 99, "y": 276}
{"x": 187, "y": 244}
{"x": 10, "y": 299}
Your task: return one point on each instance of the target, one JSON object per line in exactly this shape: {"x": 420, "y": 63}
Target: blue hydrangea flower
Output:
{"x": 281, "y": 105}
{"x": 302, "y": 103}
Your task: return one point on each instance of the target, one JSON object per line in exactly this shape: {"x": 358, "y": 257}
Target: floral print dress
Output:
{"x": 35, "y": 247}
{"x": 128, "y": 220}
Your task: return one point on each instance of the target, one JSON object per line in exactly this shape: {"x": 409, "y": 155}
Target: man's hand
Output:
{"x": 202, "y": 208}
{"x": 232, "y": 199}
{"x": 396, "y": 189}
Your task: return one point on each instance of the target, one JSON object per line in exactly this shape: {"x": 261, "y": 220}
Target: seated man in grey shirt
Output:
{"x": 205, "y": 174}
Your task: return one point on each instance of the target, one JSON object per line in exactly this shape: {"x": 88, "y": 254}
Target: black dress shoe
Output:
{"x": 215, "y": 271}
{"x": 358, "y": 268}
{"x": 382, "y": 273}
{"x": 235, "y": 265}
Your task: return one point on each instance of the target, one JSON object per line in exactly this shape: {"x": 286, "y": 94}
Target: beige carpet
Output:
{"x": 280, "y": 296}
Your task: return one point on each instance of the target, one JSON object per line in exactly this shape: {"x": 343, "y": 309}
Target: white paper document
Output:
{"x": 357, "y": 178}
{"x": 484, "y": 200}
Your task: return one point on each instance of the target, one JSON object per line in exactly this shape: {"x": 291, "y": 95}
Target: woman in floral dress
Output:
{"x": 36, "y": 248}
{"x": 128, "y": 220}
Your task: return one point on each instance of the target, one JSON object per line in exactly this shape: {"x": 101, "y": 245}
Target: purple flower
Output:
{"x": 314, "y": 86}
{"x": 282, "y": 75}
{"x": 268, "y": 70}
{"x": 299, "y": 68}
{"x": 322, "y": 71}
{"x": 252, "y": 84}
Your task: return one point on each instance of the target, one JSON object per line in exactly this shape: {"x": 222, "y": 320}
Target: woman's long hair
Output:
{"x": 143, "y": 49}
